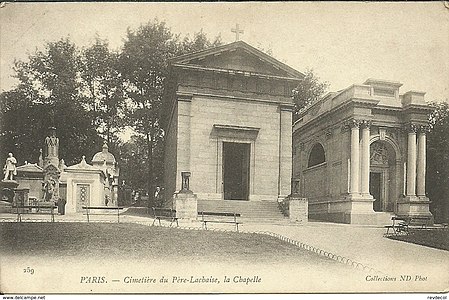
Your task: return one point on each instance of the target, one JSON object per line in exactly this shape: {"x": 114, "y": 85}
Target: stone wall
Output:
{"x": 316, "y": 182}
{"x": 206, "y": 161}
{"x": 171, "y": 157}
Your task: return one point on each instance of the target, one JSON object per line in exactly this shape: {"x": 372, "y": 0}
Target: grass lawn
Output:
{"x": 141, "y": 242}
{"x": 63, "y": 255}
{"x": 432, "y": 238}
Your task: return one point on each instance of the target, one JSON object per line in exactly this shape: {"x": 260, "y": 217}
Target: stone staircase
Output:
{"x": 250, "y": 211}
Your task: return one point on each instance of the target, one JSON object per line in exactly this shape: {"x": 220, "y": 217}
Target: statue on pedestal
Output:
{"x": 49, "y": 188}
{"x": 9, "y": 169}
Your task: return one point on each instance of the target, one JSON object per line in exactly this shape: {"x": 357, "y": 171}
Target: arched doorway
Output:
{"x": 383, "y": 178}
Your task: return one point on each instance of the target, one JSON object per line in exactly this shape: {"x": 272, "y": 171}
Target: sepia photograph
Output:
{"x": 154, "y": 148}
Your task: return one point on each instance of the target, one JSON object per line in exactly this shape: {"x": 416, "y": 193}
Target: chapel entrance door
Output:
{"x": 375, "y": 183}
{"x": 82, "y": 196}
{"x": 236, "y": 164}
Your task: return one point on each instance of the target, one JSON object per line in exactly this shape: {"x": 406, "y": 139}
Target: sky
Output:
{"x": 344, "y": 43}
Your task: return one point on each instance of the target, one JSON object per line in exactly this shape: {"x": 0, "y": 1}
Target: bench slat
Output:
{"x": 219, "y": 217}
{"x": 164, "y": 214}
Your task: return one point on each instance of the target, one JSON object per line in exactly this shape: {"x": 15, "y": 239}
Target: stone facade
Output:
{"x": 225, "y": 97}
{"x": 359, "y": 154}
{"x": 30, "y": 177}
{"x": 85, "y": 186}
{"x": 105, "y": 161}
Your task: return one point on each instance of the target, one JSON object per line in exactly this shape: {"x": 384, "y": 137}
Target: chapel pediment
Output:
{"x": 238, "y": 56}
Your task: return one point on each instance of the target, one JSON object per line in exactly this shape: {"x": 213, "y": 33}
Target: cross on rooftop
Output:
{"x": 237, "y": 31}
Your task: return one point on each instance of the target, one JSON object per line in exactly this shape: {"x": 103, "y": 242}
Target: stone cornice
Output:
{"x": 359, "y": 102}
{"x": 224, "y": 130}
{"x": 234, "y": 72}
{"x": 236, "y": 97}
{"x": 287, "y": 107}
{"x": 417, "y": 107}
{"x": 186, "y": 97}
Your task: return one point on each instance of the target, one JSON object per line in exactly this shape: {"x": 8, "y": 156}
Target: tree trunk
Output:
{"x": 150, "y": 167}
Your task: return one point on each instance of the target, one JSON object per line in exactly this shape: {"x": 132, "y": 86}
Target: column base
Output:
{"x": 413, "y": 206}
{"x": 360, "y": 203}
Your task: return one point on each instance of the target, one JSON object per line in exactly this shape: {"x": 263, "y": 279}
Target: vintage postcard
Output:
{"x": 217, "y": 148}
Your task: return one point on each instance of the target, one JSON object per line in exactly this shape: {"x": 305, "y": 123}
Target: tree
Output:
{"x": 309, "y": 90}
{"x": 48, "y": 94}
{"x": 20, "y": 125}
{"x": 437, "y": 179}
{"x": 103, "y": 89}
{"x": 133, "y": 161}
{"x": 199, "y": 42}
{"x": 144, "y": 64}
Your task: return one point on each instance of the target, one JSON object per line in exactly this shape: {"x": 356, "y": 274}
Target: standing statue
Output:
{"x": 10, "y": 167}
{"x": 52, "y": 143}
{"x": 49, "y": 188}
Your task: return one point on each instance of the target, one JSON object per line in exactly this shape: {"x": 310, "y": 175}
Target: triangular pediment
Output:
{"x": 30, "y": 168}
{"x": 238, "y": 56}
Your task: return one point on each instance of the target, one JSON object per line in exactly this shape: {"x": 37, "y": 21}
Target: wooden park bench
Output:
{"x": 41, "y": 208}
{"x": 419, "y": 222}
{"x": 164, "y": 214}
{"x": 88, "y": 210}
{"x": 219, "y": 217}
{"x": 399, "y": 225}
{"x": 403, "y": 224}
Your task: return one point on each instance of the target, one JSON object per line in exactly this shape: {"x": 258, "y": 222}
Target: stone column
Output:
{"x": 365, "y": 158}
{"x": 421, "y": 168}
{"x": 285, "y": 151}
{"x": 411, "y": 161}
{"x": 183, "y": 144}
{"x": 355, "y": 157}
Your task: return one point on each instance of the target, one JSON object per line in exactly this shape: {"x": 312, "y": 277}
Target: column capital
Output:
{"x": 423, "y": 129}
{"x": 365, "y": 123}
{"x": 411, "y": 127}
{"x": 351, "y": 123}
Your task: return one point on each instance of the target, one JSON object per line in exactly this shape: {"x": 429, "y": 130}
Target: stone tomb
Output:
{"x": 77, "y": 185}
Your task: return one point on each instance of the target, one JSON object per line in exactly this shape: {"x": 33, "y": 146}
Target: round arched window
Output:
{"x": 317, "y": 155}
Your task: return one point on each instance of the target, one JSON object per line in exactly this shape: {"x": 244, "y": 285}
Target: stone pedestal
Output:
{"x": 412, "y": 206}
{"x": 298, "y": 209}
{"x": 359, "y": 210}
{"x": 7, "y": 188}
{"x": 186, "y": 205}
